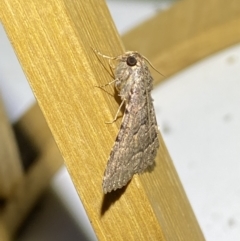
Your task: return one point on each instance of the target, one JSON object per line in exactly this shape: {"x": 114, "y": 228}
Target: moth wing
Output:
{"x": 135, "y": 147}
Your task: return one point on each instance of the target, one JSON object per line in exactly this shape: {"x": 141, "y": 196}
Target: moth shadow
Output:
{"x": 102, "y": 88}
{"x": 110, "y": 198}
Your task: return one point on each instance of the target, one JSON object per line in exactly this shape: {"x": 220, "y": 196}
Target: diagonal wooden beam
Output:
{"x": 53, "y": 41}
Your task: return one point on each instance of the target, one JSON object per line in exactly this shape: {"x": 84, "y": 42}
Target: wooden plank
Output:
{"x": 34, "y": 181}
{"x": 186, "y": 33}
{"x": 53, "y": 41}
{"x": 10, "y": 164}
{"x": 3, "y": 233}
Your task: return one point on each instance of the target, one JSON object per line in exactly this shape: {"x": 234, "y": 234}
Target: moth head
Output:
{"x": 133, "y": 58}
{"x": 131, "y": 61}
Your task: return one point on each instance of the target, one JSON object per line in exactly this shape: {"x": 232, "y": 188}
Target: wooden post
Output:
{"x": 10, "y": 166}
{"x": 26, "y": 185}
{"x": 53, "y": 41}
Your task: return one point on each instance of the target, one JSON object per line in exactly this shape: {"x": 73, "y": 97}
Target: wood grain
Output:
{"x": 53, "y": 41}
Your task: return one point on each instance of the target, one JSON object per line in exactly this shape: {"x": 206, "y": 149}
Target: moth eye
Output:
{"x": 131, "y": 61}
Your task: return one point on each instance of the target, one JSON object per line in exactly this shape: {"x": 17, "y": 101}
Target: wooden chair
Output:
{"x": 53, "y": 41}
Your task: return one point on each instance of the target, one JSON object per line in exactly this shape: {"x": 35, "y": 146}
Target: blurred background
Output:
{"x": 198, "y": 115}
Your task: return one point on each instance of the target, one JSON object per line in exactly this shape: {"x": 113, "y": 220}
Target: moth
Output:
{"x": 137, "y": 142}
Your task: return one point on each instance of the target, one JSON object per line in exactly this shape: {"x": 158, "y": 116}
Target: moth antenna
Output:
{"x": 152, "y": 66}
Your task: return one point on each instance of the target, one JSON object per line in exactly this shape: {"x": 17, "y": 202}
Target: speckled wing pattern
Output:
{"x": 137, "y": 142}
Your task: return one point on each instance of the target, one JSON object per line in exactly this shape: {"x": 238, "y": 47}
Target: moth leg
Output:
{"x": 115, "y": 118}
{"x": 112, "y": 66}
{"x": 103, "y": 86}
{"x": 103, "y": 55}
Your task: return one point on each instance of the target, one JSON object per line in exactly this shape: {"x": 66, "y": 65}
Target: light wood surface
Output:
{"x": 53, "y": 41}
